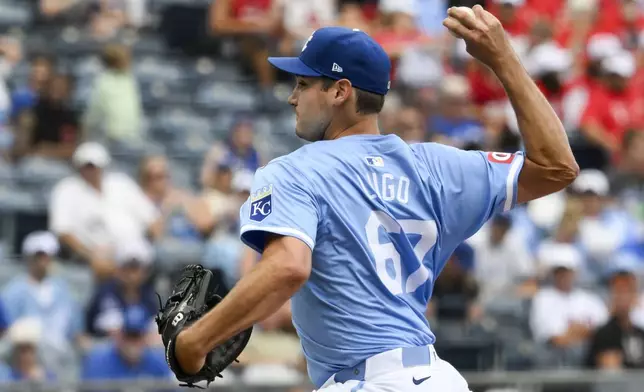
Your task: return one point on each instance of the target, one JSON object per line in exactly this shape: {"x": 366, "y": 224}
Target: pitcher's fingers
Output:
{"x": 482, "y": 14}
{"x": 457, "y": 28}
{"x": 466, "y": 18}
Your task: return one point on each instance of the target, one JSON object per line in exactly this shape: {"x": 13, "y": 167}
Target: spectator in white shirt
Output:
{"x": 562, "y": 316}
{"x": 95, "y": 211}
{"x": 503, "y": 267}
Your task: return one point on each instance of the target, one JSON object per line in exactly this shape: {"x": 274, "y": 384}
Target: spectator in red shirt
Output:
{"x": 613, "y": 109}
{"x": 255, "y": 24}
{"x": 514, "y": 16}
{"x": 623, "y": 18}
{"x": 579, "y": 89}
{"x": 400, "y": 32}
{"x": 548, "y": 9}
{"x": 547, "y": 64}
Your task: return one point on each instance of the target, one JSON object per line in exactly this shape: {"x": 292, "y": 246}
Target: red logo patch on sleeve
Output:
{"x": 500, "y": 157}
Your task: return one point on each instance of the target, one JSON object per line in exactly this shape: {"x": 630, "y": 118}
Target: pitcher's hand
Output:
{"x": 483, "y": 34}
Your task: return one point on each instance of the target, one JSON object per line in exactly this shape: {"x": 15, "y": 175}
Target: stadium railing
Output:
{"x": 534, "y": 381}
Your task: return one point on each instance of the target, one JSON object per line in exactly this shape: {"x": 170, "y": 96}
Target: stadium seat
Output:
{"x": 468, "y": 354}
{"x": 227, "y": 96}
{"x": 148, "y": 45}
{"x": 86, "y": 67}
{"x": 82, "y": 92}
{"x": 181, "y": 174}
{"x": 10, "y": 269}
{"x": 6, "y": 175}
{"x": 80, "y": 280}
{"x": 154, "y": 68}
{"x": 39, "y": 175}
{"x": 14, "y": 14}
{"x": 17, "y": 200}
{"x": 173, "y": 254}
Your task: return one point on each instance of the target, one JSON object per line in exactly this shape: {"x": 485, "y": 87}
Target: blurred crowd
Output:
{"x": 551, "y": 284}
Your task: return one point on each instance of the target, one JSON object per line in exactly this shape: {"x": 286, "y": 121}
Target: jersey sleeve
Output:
{"x": 471, "y": 186}
{"x": 280, "y": 203}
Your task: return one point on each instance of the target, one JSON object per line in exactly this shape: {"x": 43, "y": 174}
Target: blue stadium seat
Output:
{"x": 177, "y": 123}
{"x": 16, "y": 200}
{"x": 153, "y": 68}
{"x": 14, "y": 14}
{"x": 75, "y": 42}
{"x": 10, "y": 269}
{"x": 227, "y": 96}
{"x": 284, "y": 123}
{"x": 222, "y": 123}
{"x": 86, "y": 67}
{"x": 181, "y": 175}
{"x": 148, "y": 45}
{"x": 222, "y": 71}
{"x": 80, "y": 280}
{"x": 82, "y": 92}
{"x": 172, "y": 254}
{"x": 39, "y": 172}
{"x": 6, "y": 175}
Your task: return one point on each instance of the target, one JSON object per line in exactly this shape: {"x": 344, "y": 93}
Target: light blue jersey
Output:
{"x": 382, "y": 217}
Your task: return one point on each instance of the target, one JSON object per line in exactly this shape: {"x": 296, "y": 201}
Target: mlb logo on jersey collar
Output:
{"x": 375, "y": 161}
{"x": 261, "y": 203}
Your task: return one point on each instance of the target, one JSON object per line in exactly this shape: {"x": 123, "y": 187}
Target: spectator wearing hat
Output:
{"x": 603, "y": 228}
{"x": 613, "y": 109}
{"x": 128, "y": 355}
{"x": 503, "y": 265}
{"x": 129, "y": 289}
{"x": 40, "y": 295}
{"x": 94, "y": 211}
{"x": 185, "y": 217}
{"x": 548, "y": 64}
{"x": 562, "y": 316}
{"x": 579, "y": 89}
{"x": 25, "y": 337}
{"x": 619, "y": 343}
{"x": 238, "y": 152}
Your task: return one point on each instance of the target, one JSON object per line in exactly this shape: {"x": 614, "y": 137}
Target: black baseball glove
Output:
{"x": 191, "y": 298}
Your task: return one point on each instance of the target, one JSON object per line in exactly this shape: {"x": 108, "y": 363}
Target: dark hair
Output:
{"x": 116, "y": 57}
{"x": 366, "y": 102}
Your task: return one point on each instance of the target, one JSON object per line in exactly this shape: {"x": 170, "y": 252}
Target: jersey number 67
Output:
{"x": 383, "y": 252}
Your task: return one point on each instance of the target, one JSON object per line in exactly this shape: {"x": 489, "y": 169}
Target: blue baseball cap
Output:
{"x": 136, "y": 320}
{"x": 341, "y": 53}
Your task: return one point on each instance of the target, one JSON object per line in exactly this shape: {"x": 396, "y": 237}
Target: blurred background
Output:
{"x": 130, "y": 131}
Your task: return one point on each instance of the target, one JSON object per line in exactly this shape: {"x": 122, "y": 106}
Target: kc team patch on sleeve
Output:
{"x": 261, "y": 203}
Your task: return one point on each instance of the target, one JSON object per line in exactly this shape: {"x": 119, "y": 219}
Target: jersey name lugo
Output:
{"x": 386, "y": 187}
